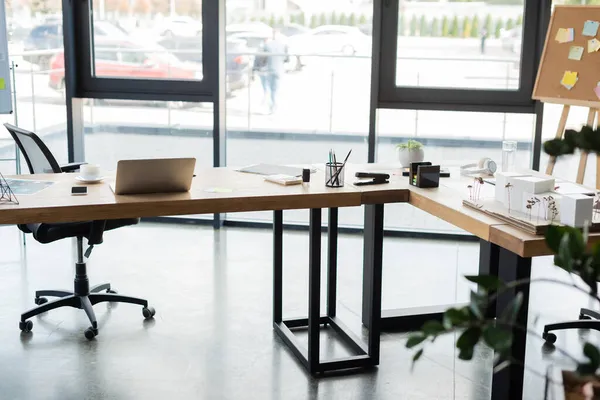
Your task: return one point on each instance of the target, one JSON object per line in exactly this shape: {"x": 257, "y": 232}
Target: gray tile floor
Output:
{"x": 212, "y": 336}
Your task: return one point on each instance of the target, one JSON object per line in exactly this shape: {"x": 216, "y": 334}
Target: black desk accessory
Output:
{"x": 306, "y": 175}
{"x": 374, "y": 175}
{"x": 444, "y": 172}
{"x": 424, "y": 175}
{"x": 371, "y": 182}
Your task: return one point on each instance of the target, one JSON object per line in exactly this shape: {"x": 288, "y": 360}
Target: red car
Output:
{"x": 130, "y": 60}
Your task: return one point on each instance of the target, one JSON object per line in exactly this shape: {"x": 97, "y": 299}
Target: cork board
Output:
{"x": 555, "y": 60}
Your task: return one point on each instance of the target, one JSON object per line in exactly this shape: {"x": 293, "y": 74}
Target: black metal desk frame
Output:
{"x": 493, "y": 260}
{"x": 366, "y": 355}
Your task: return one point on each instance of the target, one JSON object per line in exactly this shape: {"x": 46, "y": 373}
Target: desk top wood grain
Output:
{"x": 249, "y": 192}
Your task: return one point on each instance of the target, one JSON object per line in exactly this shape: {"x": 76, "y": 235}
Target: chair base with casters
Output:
{"x": 82, "y": 297}
{"x": 588, "y": 319}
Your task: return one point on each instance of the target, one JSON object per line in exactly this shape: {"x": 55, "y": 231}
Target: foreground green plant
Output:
{"x": 410, "y": 145}
{"x": 472, "y": 322}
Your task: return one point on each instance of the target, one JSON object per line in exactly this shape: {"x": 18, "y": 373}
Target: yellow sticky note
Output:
{"x": 569, "y": 78}
{"x": 2, "y": 84}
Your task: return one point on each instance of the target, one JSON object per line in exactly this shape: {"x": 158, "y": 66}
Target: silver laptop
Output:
{"x": 158, "y": 175}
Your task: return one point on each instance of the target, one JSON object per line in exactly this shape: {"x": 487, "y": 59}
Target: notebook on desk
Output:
{"x": 158, "y": 175}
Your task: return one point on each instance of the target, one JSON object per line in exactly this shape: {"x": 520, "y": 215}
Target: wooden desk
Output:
{"x": 504, "y": 251}
{"x": 249, "y": 193}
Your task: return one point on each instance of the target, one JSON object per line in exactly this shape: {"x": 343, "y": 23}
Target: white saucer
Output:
{"x": 83, "y": 180}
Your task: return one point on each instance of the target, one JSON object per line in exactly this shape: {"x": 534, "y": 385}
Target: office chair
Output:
{"x": 588, "y": 319}
{"x": 40, "y": 160}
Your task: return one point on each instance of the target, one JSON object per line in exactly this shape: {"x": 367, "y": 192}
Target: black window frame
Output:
{"x": 87, "y": 85}
{"x": 458, "y": 99}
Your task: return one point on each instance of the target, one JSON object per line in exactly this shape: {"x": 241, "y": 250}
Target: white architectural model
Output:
{"x": 576, "y": 209}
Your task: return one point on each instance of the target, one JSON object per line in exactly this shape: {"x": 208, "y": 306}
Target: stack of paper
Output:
{"x": 565, "y": 35}
{"x": 569, "y": 79}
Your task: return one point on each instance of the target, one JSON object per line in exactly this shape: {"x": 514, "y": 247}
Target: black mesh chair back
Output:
{"x": 38, "y": 157}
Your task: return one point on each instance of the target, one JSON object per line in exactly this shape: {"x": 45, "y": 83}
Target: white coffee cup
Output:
{"x": 90, "y": 171}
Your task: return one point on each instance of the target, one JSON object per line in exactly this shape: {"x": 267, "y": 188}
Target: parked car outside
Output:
{"x": 49, "y": 36}
{"x": 180, "y": 26}
{"x": 238, "y": 59}
{"x": 254, "y": 27}
{"x": 128, "y": 59}
{"x": 331, "y": 39}
{"x": 512, "y": 39}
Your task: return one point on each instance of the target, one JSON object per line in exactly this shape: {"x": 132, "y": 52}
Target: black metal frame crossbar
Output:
{"x": 367, "y": 355}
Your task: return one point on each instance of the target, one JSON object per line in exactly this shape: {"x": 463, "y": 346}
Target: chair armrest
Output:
{"x": 71, "y": 167}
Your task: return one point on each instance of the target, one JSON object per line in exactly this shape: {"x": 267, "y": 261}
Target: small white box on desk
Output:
{"x": 533, "y": 184}
{"x": 575, "y": 209}
{"x": 503, "y": 178}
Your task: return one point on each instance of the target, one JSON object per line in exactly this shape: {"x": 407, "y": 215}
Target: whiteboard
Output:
{"x": 5, "y": 92}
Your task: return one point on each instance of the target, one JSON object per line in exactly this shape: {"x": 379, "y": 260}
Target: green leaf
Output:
{"x": 592, "y": 353}
{"x": 467, "y": 341}
{"x": 554, "y": 235}
{"x": 498, "y": 338}
{"x": 432, "y": 328}
{"x": 417, "y": 355}
{"x": 478, "y": 304}
{"x": 455, "y": 317}
{"x": 487, "y": 282}
{"x": 466, "y": 353}
{"x": 509, "y": 314}
{"x": 415, "y": 340}
{"x": 564, "y": 258}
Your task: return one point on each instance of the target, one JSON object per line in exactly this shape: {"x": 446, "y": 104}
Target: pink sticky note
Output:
{"x": 597, "y": 91}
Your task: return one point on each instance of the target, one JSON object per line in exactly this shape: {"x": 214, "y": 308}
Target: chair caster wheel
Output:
{"x": 148, "y": 312}
{"x": 549, "y": 337}
{"x": 25, "y": 326}
{"x": 40, "y": 300}
{"x": 90, "y": 333}
{"x": 111, "y": 291}
{"x": 581, "y": 316}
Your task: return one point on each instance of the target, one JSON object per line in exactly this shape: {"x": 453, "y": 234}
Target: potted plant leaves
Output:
{"x": 410, "y": 152}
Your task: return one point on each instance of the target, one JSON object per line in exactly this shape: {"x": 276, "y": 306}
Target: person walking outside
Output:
{"x": 275, "y": 67}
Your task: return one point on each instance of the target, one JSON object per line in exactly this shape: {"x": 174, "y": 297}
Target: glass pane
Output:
{"x": 148, "y": 40}
{"x": 450, "y": 139}
{"x": 460, "y": 45}
{"x": 309, "y": 89}
{"x": 35, "y": 46}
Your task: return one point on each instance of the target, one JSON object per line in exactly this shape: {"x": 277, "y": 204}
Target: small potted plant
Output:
{"x": 409, "y": 152}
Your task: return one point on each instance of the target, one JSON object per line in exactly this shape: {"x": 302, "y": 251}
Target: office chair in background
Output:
{"x": 40, "y": 160}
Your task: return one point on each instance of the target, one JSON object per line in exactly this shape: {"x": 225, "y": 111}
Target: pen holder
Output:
{"x": 334, "y": 174}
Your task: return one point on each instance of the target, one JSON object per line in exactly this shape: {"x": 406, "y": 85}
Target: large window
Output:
{"x": 479, "y": 45}
{"x": 35, "y": 44}
{"x": 306, "y": 91}
{"x": 469, "y": 56}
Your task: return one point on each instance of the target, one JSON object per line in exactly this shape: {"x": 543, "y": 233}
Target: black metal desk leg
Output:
{"x": 277, "y": 266}
{"x": 372, "y": 275}
{"x": 332, "y": 237}
{"x": 508, "y": 383}
{"x": 489, "y": 257}
{"x": 314, "y": 289}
